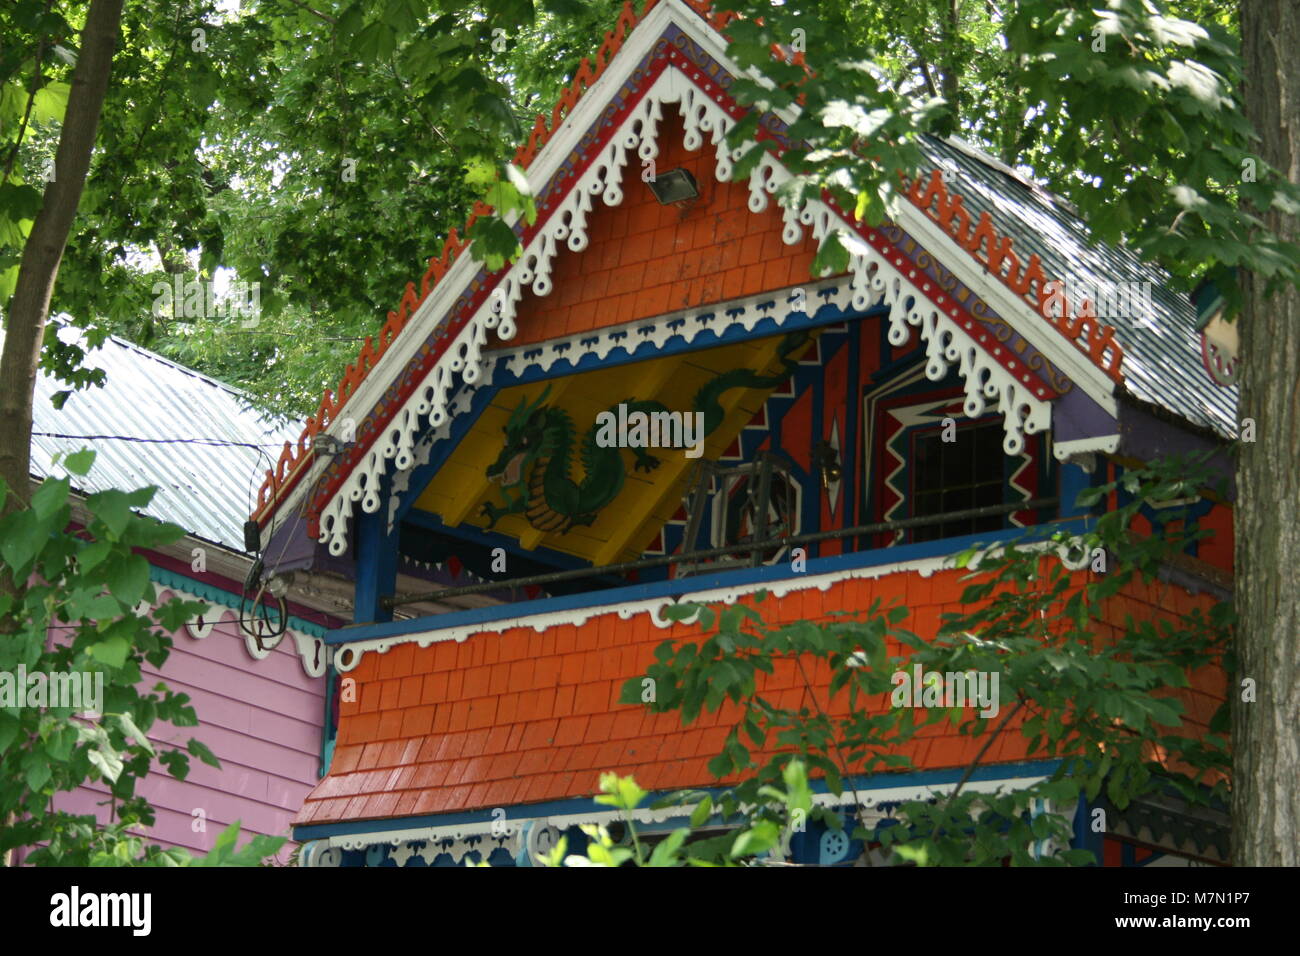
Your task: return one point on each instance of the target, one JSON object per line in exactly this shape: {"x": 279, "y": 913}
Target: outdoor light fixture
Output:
{"x": 676, "y": 185}
{"x": 828, "y": 460}
{"x": 326, "y": 446}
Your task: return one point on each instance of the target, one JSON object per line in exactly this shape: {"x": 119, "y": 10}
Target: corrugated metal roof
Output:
{"x": 204, "y": 446}
{"x": 1162, "y": 360}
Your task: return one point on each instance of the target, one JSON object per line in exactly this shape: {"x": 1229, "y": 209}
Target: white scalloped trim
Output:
{"x": 874, "y": 279}
{"x": 659, "y": 330}
{"x": 519, "y": 835}
{"x": 626, "y": 611}
{"x": 312, "y": 652}
{"x": 543, "y": 621}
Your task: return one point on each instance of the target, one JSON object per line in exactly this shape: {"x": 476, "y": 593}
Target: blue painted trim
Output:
{"x": 376, "y": 549}
{"x": 1003, "y": 771}
{"x": 692, "y": 585}
{"x": 1073, "y": 480}
{"x": 1084, "y": 838}
{"x": 852, "y": 436}
{"x": 493, "y": 539}
{"x": 813, "y": 491}
{"x": 170, "y": 579}
{"x": 827, "y": 314}
{"x": 328, "y": 736}
{"x": 442, "y": 450}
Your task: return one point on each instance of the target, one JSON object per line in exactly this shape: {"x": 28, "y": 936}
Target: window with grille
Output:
{"x": 957, "y": 475}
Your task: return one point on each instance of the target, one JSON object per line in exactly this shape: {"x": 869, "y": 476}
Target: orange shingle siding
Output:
{"x": 522, "y": 717}
{"x": 645, "y": 259}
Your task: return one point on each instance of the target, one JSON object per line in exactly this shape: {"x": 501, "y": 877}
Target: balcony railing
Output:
{"x": 726, "y": 551}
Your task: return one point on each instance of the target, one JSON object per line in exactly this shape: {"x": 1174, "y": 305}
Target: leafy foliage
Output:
{"x": 87, "y": 587}
{"x": 1101, "y": 707}
{"x": 744, "y": 845}
{"x": 1128, "y": 110}
{"x": 322, "y": 151}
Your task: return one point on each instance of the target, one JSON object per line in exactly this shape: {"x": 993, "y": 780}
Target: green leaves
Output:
{"x": 79, "y": 462}
{"x": 101, "y": 753}
{"x": 50, "y": 102}
{"x": 25, "y": 534}
{"x": 113, "y": 651}
{"x": 375, "y": 42}
{"x": 619, "y": 792}
{"x": 759, "y": 838}
{"x": 128, "y": 579}
{"x": 113, "y": 507}
{"x": 87, "y": 586}
{"x": 703, "y": 810}
{"x": 131, "y": 730}
{"x": 49, "y": 498}
{"x": 507, "y": 191}
{"x": 199, "y": 749}
{"x": 224, "y": 852}
{"x": 494, "y": 242}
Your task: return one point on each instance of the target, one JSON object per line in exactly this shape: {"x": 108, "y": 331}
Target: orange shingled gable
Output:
{"x": 332, "y": 401}
{"x": 524, "y": 717}
{"x": 646, "y": 259}
{"x": 675, "y": 284}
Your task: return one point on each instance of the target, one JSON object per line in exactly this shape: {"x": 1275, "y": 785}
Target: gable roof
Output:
{"x": 442, "y": 332}
{"x": 200, "y": 441}
{"x": 1163, "y": 364}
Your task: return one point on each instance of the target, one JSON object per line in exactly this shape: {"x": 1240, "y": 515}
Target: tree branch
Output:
{"x": 315, "y": 13}
{"x": 27, "y": 111}
{"x": 43, "y": 251}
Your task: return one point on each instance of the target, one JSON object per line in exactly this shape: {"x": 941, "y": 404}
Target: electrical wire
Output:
{"x": 262, "y": 625}
{"x": 163, "y": 441}
{"x": 255, "y": 579}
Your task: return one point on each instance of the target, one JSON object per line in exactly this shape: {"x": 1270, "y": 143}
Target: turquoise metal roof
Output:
{"x": 201, "y": 442}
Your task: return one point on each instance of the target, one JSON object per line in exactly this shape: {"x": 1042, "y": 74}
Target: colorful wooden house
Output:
{"x": 260, "y": 697}
{"x": 940, "y": 392}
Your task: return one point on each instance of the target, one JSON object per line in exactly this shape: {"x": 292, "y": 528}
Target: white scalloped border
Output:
{"x": 627, "y": 610}
{"x": 514, "y": 834}
{"x": 729, "y": 594}
{"x": 874, "y": 279}
{"x": 659, "y": 330}
{"x": 312, "y": 651}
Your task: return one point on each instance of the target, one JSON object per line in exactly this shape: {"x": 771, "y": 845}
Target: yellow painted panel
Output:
{"x": 623, "y": 528}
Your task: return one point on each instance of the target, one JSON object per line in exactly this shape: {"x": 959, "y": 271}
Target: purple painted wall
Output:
{"x": 262, "y": 719}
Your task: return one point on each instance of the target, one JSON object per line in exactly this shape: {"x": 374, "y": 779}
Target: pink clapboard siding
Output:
{"x": 263, "y": 720}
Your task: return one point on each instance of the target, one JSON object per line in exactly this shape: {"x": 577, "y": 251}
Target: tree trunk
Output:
{"x": 1266, "y": 733}
{"x": 30, "y": 305}
{"x": 43, "y": 251}
{"x": 952, "y": 59}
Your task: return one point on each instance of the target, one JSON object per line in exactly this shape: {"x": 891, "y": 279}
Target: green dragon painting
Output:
{"x": 534, "y": 468}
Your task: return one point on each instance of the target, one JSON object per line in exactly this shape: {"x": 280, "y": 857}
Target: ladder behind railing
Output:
{"x": 706, "y": 482}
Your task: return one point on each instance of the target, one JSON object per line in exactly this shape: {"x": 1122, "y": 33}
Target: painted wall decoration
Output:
{"x": 534, "y": 467}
